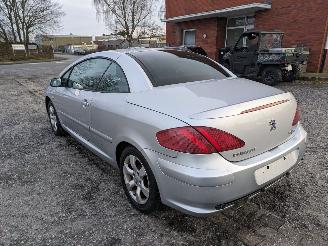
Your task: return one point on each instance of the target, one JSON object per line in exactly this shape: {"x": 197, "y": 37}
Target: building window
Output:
{"x": 189, "y": 37}
{"x": 236, "y": 26}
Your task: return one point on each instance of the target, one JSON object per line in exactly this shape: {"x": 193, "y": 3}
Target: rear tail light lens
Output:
{"x": 185, "y": 139}
{"x": 222, "y": 141}
{"x": 297, "y": 116}
{"x": 198, "y": 140}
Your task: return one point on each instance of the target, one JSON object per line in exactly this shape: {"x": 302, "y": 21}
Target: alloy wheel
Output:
{"x": 136, "y": 179}
{"x": 53, "y": 118}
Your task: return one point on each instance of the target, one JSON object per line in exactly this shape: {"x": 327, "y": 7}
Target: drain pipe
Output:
{"x": 324, "y": 57}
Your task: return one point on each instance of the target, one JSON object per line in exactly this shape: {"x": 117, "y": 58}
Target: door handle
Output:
{"x": 85, "y": 103}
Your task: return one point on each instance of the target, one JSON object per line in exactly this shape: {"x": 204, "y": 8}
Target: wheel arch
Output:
{"x": 120, "y": 148}
{"x": 125, "y": 142}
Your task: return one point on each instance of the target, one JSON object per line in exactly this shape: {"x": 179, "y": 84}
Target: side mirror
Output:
{"x": 56, "y": 82}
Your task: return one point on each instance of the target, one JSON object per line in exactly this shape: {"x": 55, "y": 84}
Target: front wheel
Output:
{"x": 54, "y": 121}
{"x": 138, "y": 181}
{"x": 271, "y": 75}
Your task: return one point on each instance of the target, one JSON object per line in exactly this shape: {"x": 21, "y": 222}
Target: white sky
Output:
{"x": 81, "y": 19}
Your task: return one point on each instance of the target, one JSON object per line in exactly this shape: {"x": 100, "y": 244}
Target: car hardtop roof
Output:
{"x": 139, "y": 49}
{"x": 131, "y": 51}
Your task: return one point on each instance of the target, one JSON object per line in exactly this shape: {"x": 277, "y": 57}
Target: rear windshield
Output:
{"x": 168, "y": 67}
{"x": 271, "y": 41}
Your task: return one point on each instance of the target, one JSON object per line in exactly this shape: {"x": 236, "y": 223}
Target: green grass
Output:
{"x": 13, "y": 60}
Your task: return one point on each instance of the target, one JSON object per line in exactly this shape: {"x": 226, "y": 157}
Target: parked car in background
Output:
{"x": 79, "y": 51}
{"x": 182, "y": 129}
{"x": 259, "y": 55}
{"x": 196, "y": 49}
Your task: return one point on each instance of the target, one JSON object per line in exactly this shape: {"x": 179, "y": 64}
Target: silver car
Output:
{"x": 183, "y": 130}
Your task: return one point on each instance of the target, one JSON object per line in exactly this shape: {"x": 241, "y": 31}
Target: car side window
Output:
{"x": 114, "y": 80}
{"x": 87, "y": 74}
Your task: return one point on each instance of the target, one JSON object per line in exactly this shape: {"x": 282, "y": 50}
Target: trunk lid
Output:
{"x": 262, "y": 124}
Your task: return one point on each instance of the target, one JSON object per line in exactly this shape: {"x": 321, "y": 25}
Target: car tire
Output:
{"x": 54, "y": 120}
{"x": 271, "y": 75}
{"x": 297, "y": 71}
{"x": 288, "y": 76}
{"x": 138, "y": 181}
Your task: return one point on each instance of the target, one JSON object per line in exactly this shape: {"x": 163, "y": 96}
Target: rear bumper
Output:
{"x": 203, "y": 191}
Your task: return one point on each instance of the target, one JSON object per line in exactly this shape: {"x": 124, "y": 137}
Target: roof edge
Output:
{"x": 218, "y": 12}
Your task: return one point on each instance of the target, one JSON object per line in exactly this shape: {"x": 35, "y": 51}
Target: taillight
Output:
{"x": 185, "y": 139}
{"x": 297, "y": 116}
{"x": 221, "y": 140}
{"x": 198, "y": 140}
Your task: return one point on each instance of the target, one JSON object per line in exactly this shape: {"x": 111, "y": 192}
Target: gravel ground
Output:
{"x": 55, "y": 192}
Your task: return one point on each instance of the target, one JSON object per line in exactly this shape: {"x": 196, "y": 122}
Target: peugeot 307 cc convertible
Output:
{"x": 182, "y": 129}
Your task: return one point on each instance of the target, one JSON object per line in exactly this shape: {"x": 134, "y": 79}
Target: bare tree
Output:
{"x": 7, "y": 20}
{"x": 20, "y": 19}
{"x": 125, "y": 15}
{"x": 3, "y": 29}
{"x": 151, "y": 30}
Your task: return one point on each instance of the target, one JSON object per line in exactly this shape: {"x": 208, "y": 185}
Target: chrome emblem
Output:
{"x": 273, "y": 125}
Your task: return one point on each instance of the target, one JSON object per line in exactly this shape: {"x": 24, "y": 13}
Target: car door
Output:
{"x": 109, "y": 105}
{"x": 77, "y": 96}
{"x": 243, "y": 57}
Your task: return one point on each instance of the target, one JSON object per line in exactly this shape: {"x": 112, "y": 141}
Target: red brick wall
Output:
{"x": 303, "y": 21}
{"x": 214, "y": 28}
{"x": 222, "y": 23}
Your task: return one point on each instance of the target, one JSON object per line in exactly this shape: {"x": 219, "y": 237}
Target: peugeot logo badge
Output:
{"x": 273, "y": 125}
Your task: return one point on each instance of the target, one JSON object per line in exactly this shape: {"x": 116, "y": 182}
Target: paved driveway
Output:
{"x": 55, "y": 192}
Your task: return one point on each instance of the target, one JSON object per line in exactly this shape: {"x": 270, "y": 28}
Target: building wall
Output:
{"x": 304, "y": 22}
{"x": 57, "y": 41}
{"x": 214, "y": 28}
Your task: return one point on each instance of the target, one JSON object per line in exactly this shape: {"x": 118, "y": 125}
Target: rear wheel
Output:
{"x": 271, "y": 75}
{"x": 297, "y": 71}
{"x": 138, "y": 181}
{"x": 290, "y": 76}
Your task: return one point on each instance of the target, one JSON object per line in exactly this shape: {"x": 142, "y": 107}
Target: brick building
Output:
{"x": 215, "y": 24}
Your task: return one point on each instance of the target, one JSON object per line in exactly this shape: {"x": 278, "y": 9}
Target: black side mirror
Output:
{"x": 56, "y": 82}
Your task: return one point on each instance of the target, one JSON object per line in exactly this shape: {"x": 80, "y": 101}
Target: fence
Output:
{"x": 8, "y": 54}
